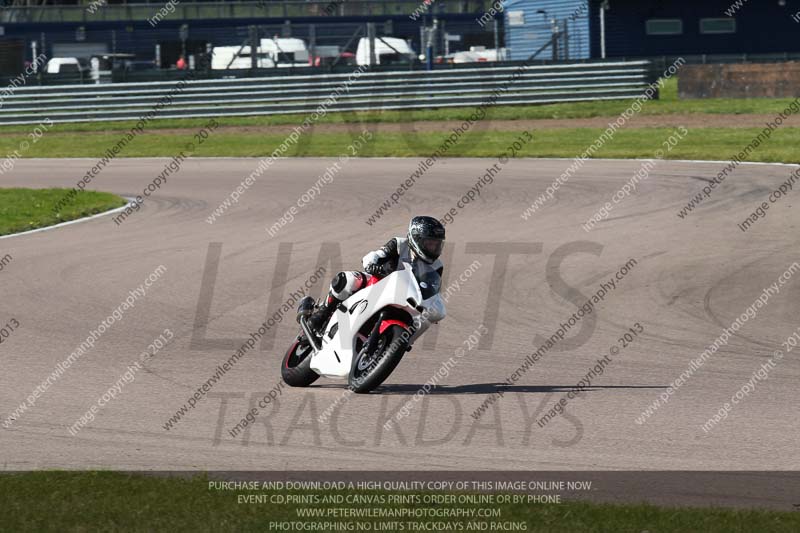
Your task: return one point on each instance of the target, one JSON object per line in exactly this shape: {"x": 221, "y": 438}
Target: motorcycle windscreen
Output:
{"x": 429, "y": 280}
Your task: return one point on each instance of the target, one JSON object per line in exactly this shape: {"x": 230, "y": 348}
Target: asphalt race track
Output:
{"x": 692, "y": 278}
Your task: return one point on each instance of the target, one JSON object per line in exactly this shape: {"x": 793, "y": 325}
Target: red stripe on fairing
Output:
{"x": 372, "y": 280}
{"x": 391, "y": 322}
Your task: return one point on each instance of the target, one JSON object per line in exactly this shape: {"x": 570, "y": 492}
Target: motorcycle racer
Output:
{"x": 421, "y": 247}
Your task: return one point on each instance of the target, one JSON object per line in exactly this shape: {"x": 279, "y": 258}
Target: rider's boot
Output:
{"x": 321, "y": 316}
{"x": 305, "y": 308}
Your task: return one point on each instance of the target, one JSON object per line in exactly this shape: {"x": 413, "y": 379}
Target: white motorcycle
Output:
{"x": 368, "y": 333}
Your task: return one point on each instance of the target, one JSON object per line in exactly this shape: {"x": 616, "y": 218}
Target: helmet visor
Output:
{"x": 432, "y": 247}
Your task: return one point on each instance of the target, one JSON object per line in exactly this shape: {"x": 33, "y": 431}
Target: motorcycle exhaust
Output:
{"x": 309, "y": 335}
{"x": 304, "y": 310}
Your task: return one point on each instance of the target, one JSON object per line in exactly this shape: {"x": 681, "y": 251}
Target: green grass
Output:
{"x": 669, "y": 93}
{"x": 701, "y": 143}
{"x": 482, "y": 141}
{"x": 107, "y": 501}
{"x": 25, "y": 209}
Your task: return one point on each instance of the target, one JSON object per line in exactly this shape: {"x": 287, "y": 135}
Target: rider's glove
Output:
{"x": 374, "y": 268}
{"x": 373, "y": 258}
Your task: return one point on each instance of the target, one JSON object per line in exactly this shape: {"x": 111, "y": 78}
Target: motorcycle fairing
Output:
{"x": 398, "y": 289}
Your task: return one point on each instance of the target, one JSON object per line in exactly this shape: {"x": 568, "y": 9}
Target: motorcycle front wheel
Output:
{"x": 296, "y": 367}
{"x": 371, "y": 369}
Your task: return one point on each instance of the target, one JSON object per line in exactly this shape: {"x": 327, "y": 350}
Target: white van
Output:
{"x": 60, "y": 65}
{"x": 286, "y": 52}
{"x": 237, "y": 57}
{"x": 388, "y": 51}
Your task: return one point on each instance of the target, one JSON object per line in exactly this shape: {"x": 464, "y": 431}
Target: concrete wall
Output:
{"x": 752, "y": 80}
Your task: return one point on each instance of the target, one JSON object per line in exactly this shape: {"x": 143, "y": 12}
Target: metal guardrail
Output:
{"x": 304, "y": 94}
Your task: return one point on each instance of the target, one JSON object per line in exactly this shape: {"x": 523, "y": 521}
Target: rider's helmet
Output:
{"x": 426, "y": 238}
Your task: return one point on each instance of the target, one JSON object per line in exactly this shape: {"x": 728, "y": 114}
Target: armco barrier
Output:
{"x": 303, "y": 94}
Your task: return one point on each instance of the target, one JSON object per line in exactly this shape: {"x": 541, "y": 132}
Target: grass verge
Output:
{"x": 108, "y": 501}
{"x": 26, "y": 209}
{"x": 701, "y": 143}
{"x": 711, "y": 143}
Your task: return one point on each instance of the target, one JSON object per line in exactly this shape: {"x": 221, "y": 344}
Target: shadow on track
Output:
{"x": 490, "y": 388}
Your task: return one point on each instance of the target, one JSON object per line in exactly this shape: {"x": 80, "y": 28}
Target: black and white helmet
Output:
{"x": 426, "y": 238}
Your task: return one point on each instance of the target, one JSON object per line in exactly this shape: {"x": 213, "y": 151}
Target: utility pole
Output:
{"x": 312, "y": 44}
{"x": 254, "y": 46}
{"x": 371, "y": 40}
{"x": 603, "y": 8}
{"x": 496, "y": 28}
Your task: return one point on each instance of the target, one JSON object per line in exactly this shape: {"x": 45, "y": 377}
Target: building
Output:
{"x": 531, "y": 24}
{"x": 651, "y": 28}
